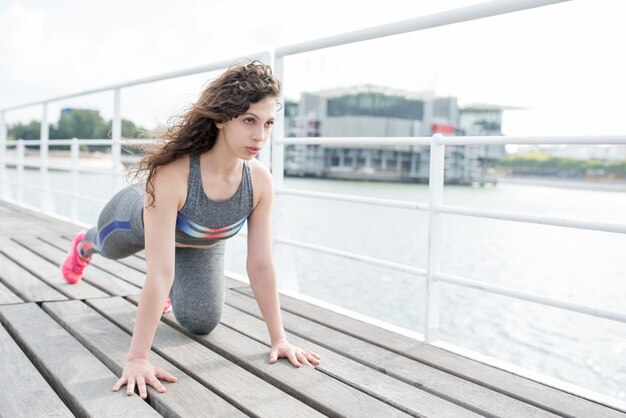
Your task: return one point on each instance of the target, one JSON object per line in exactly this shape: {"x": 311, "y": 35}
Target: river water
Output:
{"x": 576, "y": 265}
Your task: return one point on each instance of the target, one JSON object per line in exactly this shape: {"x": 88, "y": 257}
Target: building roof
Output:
{"x": 407, "y": 94}
{"x": 373, "y": 88}
{"x": 486, "y": 106}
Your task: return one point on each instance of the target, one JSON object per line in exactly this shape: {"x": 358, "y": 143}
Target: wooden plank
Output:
{"x": 259, "y": 398}
{"x": 113, "y": 267}
{"x": 27, "y": 228}
{"x": 316, "y": 389}
{"x": 517, "y": 387}
{"x": 24, "y": 284}
{"x": 101, "y": 279}
{"x": 25, "y": 392}
{"x": 447, "y": 386}
{"x": 7, "y": 297}
{"x": 79, "y": 378}
{"x": 6, "y": 210}
{"x": 110, "y": 344}
{"x": 31, "y": 222}
{"x": 231, "y": 283}
{"x": 403, "y": 396}
{"x": 46, "y": 271}
{"x": 134, "y": 262}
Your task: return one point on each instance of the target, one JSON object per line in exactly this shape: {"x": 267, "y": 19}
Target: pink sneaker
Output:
{"x": 168, "y": 305}
{"x": 74, "y": 265}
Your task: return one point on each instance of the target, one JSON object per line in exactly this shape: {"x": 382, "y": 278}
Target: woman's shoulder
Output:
{"x": 171, "y": 179}
{"x": 177, "y": 168}
{"x": 259, "y": 172}
{"x": 262, "y": 183}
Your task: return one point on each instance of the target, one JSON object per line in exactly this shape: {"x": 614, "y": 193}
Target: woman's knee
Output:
{"x": 120, "y": 244}
{"x": 113, "y": 253}
{"x": 198, "y": 324}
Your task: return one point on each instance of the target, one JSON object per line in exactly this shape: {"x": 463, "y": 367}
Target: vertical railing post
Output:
{"x": 74, "y": 152}
{"x": 265, "y": 157}
{"x": 116, "y": 131}
{"x": 4, "y": 178}
{"x": 284, "y": 261}
{"x": 435, "y": 188}
{"x": 19, "y": 169}
{"x": 116, "y": 136}
{"x": 47, "y": 203}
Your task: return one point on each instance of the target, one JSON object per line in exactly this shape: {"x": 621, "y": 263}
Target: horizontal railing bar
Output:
{"x": 159, "y": 77}
{"x": 459, "y": 140}
{"x": 306, "y": 140}
{"x": 143, "y": 141}
{"x": 534, "y": 219}
{"x": 58, "y": 167}
{"x": 534, "y": 140}
{"x": 59, "y": 142}
{"x": 462, "y": 14}
{"x": 353, "y": 256}
{"x": 531, "y": 297}
{"x": 99, "y": 142}
{"x": 355, "y": 199}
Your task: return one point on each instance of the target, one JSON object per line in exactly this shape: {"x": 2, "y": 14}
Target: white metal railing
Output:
{"x": 437, "y": 156}
{"x": 274, "y": 156}
{"x": 436, "y": 208}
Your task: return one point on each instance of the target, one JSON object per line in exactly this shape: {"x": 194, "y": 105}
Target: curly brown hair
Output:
{"x": 195, "y": 131}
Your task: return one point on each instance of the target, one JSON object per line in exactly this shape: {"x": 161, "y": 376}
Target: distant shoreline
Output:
{"x": 599, "y": 185}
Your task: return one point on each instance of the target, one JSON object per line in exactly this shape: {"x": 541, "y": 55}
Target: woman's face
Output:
{"x": 246, "y": 134}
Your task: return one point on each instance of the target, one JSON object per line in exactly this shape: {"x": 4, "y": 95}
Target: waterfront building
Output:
{"x": 376, "y": 111}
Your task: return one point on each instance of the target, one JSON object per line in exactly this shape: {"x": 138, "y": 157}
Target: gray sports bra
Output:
{"x": 203, "y": 221}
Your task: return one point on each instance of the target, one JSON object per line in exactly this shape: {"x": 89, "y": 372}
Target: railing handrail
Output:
{"x": 534, "y": 297}
{"x": 448, "y": 17}
{"x": 460, "y": 140}
{"x": 95, "y": 141}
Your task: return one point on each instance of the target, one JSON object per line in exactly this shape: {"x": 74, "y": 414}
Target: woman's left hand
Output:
{"x": 297, "y": 356}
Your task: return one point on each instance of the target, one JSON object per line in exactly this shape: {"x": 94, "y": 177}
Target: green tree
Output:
{"x": 76, "y": 123}
{"x": 82, "y": 124}
{"x": 25, "y": 131}
{"x": 32, "y": 130}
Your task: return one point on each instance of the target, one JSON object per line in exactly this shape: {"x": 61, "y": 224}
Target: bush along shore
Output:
{"x": 539, "y": 164}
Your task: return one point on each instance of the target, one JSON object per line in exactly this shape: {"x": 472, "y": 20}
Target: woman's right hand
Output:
{"x": 139, "y": 372}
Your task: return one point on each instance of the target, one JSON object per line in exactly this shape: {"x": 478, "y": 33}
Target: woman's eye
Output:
{"x": 248, "y": 120}
{"x": 270, "y": 123}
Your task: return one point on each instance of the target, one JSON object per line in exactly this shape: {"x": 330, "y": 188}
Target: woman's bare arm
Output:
{"x": 159, "y": 226}
{"x": 262, "y": 273}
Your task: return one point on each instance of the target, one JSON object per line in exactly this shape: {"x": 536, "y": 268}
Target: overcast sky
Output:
{"x": 563, "y": 64}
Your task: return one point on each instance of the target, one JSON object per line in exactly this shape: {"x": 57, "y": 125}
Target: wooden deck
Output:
{"x": 62, "y": 346}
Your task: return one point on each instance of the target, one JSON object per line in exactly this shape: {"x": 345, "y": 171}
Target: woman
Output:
{"x": 201, "y": 185}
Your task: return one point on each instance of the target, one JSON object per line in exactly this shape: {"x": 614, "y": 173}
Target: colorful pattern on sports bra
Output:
{"x": 195, "y": 230}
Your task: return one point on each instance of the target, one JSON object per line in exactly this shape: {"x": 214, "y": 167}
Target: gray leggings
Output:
{"x": 197, "y": 293}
